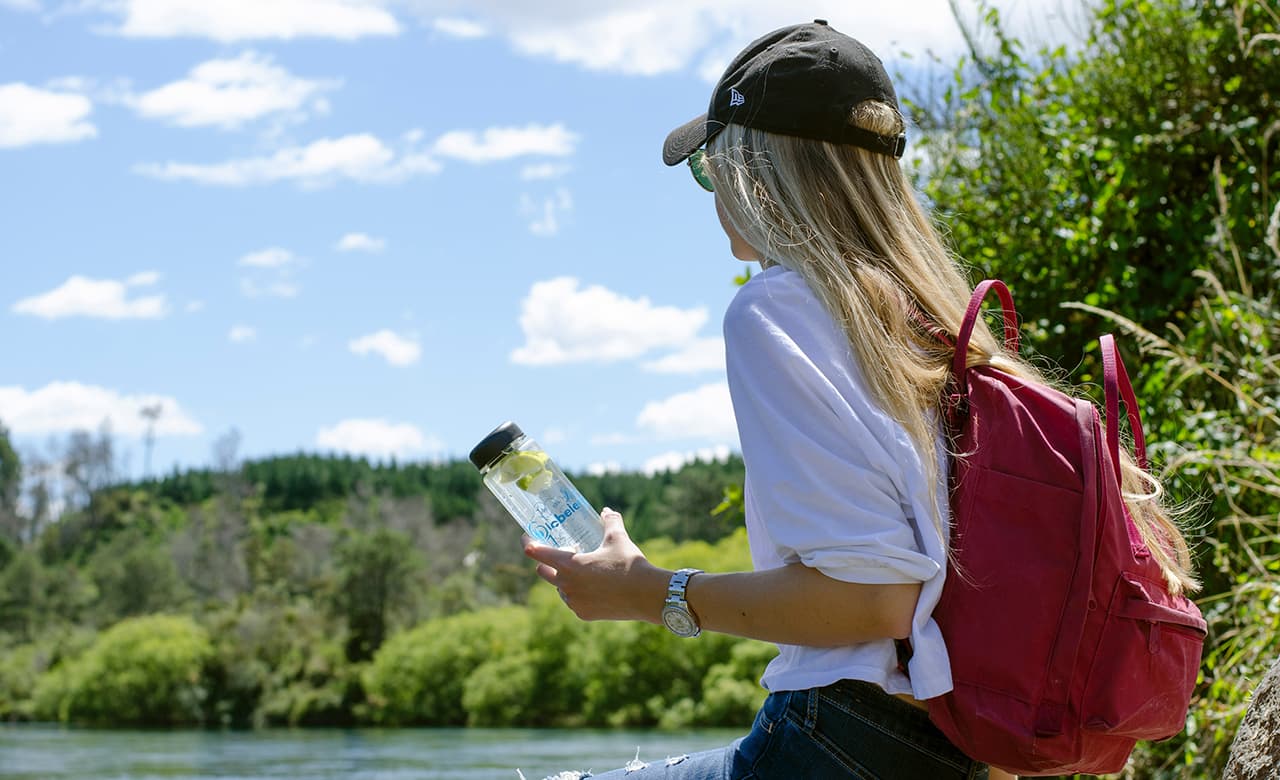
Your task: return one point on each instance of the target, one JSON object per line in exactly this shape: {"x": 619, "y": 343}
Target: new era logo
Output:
{"x": 735, "y": 97}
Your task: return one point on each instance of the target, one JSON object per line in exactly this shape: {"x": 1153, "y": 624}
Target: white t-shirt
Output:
{"x": 832, "y": 481}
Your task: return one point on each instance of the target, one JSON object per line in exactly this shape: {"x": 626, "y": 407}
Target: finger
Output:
{"x": 614, "y": 530}
{"x": 549, "y": 574}
{"x": 611, "y": 519}
{"x": 552, "y": 556}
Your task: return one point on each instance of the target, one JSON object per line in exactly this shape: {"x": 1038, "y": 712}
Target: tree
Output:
{"x": 375, "y": 573}
{"x": 11, "y": 525}
{"x": 1087, "y": 174}
{"x": 22, "y": 587}
{"x": 90, "y": 465}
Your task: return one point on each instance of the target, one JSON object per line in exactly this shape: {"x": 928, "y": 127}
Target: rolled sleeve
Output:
{"x": 823, "y": 481}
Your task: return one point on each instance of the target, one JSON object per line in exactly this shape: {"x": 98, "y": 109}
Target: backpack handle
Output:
{"x": 961, "y": 359}
{"x": 1116, "y": 385}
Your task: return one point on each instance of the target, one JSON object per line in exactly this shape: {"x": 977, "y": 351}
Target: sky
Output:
{"x": 378, "y": 227}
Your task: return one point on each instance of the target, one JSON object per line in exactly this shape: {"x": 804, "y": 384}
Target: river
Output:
{"x": 36, "y": 752}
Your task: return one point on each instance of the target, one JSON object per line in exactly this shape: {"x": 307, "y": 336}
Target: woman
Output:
{"x": 835, "y": 369}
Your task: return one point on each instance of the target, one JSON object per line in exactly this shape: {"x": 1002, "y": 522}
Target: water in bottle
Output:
{"x": 535, "y": 491}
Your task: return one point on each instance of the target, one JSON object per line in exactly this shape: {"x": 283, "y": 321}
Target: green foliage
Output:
{"x": 1219, "y": 373}
{"x": 279, "y": 663}
{"x": 1133, "y": 179}
{"x": 374, "y": 581}
{"x": 418, "y": 676}
{"x": 677, "y": 504}
{"x": 134, "y": 577}
{"x": 300, "y": 482}
{"x": 20, "y": 669}
{"x": 540, "y": 666}
{"x": 501, "y": 691}
{"x": 10, "y": 487}
{"x": 1086, "y": 174}
{"x": 22, "y": 595}
{"x": 730, "y": 691}
{"x": 146, "y": 671}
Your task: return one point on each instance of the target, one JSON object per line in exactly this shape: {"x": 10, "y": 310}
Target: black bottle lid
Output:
{"x": 492, "y": 446}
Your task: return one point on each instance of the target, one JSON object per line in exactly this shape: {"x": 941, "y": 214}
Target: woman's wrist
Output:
{"x": 650, "y": 591}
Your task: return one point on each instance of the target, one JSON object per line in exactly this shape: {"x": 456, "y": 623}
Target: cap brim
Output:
{"x": 685, "y": 140}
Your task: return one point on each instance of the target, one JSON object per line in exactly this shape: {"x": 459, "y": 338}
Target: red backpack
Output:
{"x": 1066, "y": 646}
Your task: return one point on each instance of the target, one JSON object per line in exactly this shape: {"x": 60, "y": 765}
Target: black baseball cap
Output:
{"x": 801, "y": 80}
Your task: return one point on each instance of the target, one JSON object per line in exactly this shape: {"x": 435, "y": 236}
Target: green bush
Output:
{"x": 147, "y": 671}
{"x": 418, "y": 676}
{"x": 501, "y": 692}
{"x": 280, "y": 663}
{"x": 20, "y": 669}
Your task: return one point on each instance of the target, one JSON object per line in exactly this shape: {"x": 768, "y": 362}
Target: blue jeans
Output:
{"x": 850, "y": 729}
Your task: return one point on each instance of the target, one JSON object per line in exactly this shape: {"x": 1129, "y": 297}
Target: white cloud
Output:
{"x": 106, "y": 299}
{"x": 271, "y": 273}
{"x": 460, "y": 28}
{"x": 228, "y": 93}
{"x": 607, "y": 467}
{"x": 275, "y": 257}
{"x": 377, "y": 438}
{"x": 360, "y": 242}
{"x": 395, "y": 349}
{"x": 564, "y": 323}
{"x": 279, "y": 287}
{"x": 505, "y": 143}
{"x": 548, "y": 213}
{"x": 21, "y": 5}
{"x": 650, "y": 37}
{"x": 674, "y": 461}
{"x": 365, "y": 158}
{"x": 543, "y": 171}
{"x": 698, "y": 355}
{"x": 236, "y": 20}
{"x": 29, "y": 115}
{"x": 644, "y": 41}
{"x": 62, "y": 407}
{"x": 705, "y": 413}
{"x": 241, "y": 334}
{"x": 361, "y": 157}
{"x": 193, "y": 306}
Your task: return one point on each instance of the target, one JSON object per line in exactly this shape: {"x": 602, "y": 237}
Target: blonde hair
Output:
{"x": 848, "y": 221}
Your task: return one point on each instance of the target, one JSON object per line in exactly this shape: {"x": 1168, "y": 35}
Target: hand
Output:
{"x": 613, "y": 582}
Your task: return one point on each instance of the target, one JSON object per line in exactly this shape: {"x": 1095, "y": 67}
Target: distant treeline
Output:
{"x": 266, "y": 593}
{"x": 668, "y": 503}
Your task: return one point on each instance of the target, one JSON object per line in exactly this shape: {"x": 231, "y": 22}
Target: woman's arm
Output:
{"x": 793, "y": 604}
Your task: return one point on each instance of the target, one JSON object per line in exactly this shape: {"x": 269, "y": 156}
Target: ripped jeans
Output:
{"x": 849, "y": 729}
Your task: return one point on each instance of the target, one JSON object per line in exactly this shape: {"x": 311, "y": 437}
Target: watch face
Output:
{"x": 679, "y": 622}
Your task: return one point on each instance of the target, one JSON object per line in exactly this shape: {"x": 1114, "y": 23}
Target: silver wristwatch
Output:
{"x": 676, "y": 615}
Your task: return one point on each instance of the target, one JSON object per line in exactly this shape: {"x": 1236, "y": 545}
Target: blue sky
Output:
{"x": 374, "y": 227}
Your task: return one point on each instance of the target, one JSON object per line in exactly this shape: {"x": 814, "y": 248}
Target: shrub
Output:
{"x": 147, "y": 671}
{"x": 20, "y": 669}
{"x": 418, "y": 676}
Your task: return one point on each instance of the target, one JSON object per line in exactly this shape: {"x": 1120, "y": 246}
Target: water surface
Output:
{"x": 37, "y": 752}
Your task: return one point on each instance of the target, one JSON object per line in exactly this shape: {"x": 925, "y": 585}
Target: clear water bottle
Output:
{"x": 535, "y": 491}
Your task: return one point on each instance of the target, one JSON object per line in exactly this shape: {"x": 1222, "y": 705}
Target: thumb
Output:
{"x": 613, "y": 525}
{"x": 611, "y": 519}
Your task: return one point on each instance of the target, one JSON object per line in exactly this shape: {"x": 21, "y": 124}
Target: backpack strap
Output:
{"x": 1116, "y": 385}
{"x": 957, "y": 401}
{"x": 961, "y": 359}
